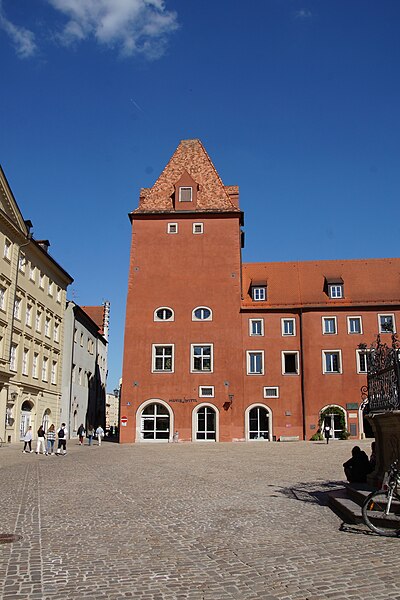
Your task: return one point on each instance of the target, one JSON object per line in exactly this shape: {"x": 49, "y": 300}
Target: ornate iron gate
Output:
{"x": 381, "y": 393}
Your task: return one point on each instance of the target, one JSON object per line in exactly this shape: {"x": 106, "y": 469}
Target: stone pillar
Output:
{"x": 386, "y": 427}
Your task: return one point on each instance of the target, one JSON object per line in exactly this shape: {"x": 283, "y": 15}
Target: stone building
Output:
{"x": 218, "y": 350}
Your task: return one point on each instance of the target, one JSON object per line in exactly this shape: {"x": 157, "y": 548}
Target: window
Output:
{"x": 32, "y": 273}
{"x": 255, "y": 362}
{"x": 50, "y": 288}
{"x": 386, "y": 324}
{"x": 163, "y": 314}
{"x": 259, "y": 293}
{"x": 271, "y": 392}
{"x": 7, "y": 249}
{"x": 354, "y": 325}
{"x": 17, "y": 308}
{"x": 41, "y": 281}
{"x": 54, "y": 372}
{"x": 172, "y": 228}
{"x": 202, "y": 313}
{"x": 206, "y": 391}
{"x": 13, "y": 357}
{"x": 332, "y": 362}
{"x": 185, "y": 194}
{"x": 56, "y": 332}
{"x": 256, "y": 326}
{"x": 290, "y": 363}
{"x": 198, "y": 227}
{"x": 335, "y": 290}
{"x": 28, "y": 315}
{"x": 73, "y": 376}
{"x": 35, "y": 365}
{"x": 82, "y": 338}
{"x": 361, "y": 361}
{"x": 2, "y": 297}
{"x": 288, "y": 326}
{"x": 163, "y": 359}
{"x": 38, "y": 321}
{"x": 25, "y": 361}
{"x": 58, "y": 295}
{"x": 201, "y": 358}
{"x": 80, "y": 376}
{"x": 47, "y": 327}
{"x": 329, "y": 325}
{"x": 45, "y": 364}
{"x": 21, "y": 263}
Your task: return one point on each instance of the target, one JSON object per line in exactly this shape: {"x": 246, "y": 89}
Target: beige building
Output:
{"x": 32, "y": 303}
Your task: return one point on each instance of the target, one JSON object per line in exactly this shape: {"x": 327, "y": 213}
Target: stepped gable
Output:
{"x": 190, "y": 158}
{"x": 303, "y": 283}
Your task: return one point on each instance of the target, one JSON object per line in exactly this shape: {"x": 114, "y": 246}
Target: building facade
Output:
{"x": 32, "y": 302}
{"x": 217, "y": 350}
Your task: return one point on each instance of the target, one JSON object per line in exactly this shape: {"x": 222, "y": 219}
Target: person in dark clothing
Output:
{"x": 357, "y": 467}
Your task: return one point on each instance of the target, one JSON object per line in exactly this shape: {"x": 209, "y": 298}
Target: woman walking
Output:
{"x": 40, "y": 440}
{"x": 81, "y": 433}
{"x": 51, "y": 438}
{"x": 28, "y": 440}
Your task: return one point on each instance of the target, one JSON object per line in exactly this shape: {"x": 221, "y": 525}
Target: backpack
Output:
{"x": 61, "y": 433}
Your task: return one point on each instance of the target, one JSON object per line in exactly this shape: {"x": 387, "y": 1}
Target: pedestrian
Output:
{"x": 81, "y": 433}
{"x": 90, "y": 433}
{"x": 357, "y": 467}
{"x": 51, "y": 438}
{"x": 327, "y": 433}
{"x": 62, "y": 439}
{"x": 100, "y": 434}
{"x": 28, "y": 440}
{"x": 41, "y": 441}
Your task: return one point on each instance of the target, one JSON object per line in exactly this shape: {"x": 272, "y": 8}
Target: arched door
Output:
{"x": 155, "y": 422}
{"x": 206, "y": 424}
{"x": 25, "y": 418}
{"x": 258, "y": 423}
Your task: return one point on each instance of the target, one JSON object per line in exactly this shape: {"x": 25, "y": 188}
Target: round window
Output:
{"x": 164, "y": 314}
{"x": 202, "y": 313}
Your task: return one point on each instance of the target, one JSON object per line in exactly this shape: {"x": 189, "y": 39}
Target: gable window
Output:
{"x": 185, "y": 194}
{"x": 332, "y": 361}
{"x": 288, "y": 326}
{"x": 172, "y": 228}
{"x": 163, "y": 314}
{"x": 386, "y": 323}
{"x": 361, "y": 361}
{"x": 290, "y": 363}
{"x": 206, "y": 391}
{"x": 259, "y": 293}
{"x": 271, "y": 392}
{"x": 354, "y": 325}
{"x": 198, "y": 227}
{"x": 163, "y": 358}
{"x": 201, "y": 358}
{"x": 202, "y": 313}
{"x": 329, "y": 325}
{"x": 255, "y": 362}
{"x": 256, "y": 326}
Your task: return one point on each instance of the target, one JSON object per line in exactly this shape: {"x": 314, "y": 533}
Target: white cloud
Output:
{"x": 23, "y": 39}
{"x": 133, "y": 26}
{"x": 303, "y": 14}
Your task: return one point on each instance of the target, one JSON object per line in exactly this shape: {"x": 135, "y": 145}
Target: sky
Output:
{"x": 295, "y": 101}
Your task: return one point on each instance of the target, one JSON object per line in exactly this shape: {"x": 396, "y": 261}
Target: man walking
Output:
{"x": 62, "y": 440}
{"x": 100, "y": 434}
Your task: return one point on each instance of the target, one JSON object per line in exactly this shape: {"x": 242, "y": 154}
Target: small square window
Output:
{"x": 163, "y": 359}
{"x": 290, "y": 363}
{"x": 172, "y": 228}
{"x": 332, "y": 361}
{"x": 201, "y": 358}
{"x": 259, "y": 293}
{"x": 256, "y": 326}
{"x": 255, "y": 362}
{"x": 288, "y": 326}
{"x": 198, "y": 227}
{"x": 335, "y": 290}
{"x": 354, "y": 325}
{"x": 329, "y": 325}
{"x": 386, "y": 324}
{"x": 271, "y": 392}
{"x": 206, "y": 391}
{"x": 185, "y": 194}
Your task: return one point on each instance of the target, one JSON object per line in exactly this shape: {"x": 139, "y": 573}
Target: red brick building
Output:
{"x": 218, "y": 350}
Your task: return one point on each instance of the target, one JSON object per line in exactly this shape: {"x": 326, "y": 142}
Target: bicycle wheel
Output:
{"x": 376, "y": 516}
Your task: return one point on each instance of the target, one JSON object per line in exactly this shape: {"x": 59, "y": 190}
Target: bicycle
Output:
{"x": 381, "y": 509}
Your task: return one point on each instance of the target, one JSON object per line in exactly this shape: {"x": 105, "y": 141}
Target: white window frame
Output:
{"x": 325, "y": 320}
{"x": 47, "y": 326}
{"x": 171, "y": 227}
{"x": 199, "y": 226}
{"x": 58, "y": 296}
{"x": 50, "y": 287}
{"x": 295, "y": 353}
{"x": 45, "y": 366}
{"x": 349, "y": 319}
{"x": 251, "y": 323}
{"x": 17, "y": 308}
{"x": 13, "y": 357}
{"x": 271, "y": 387}
{"x": 56, "y": 332}
{"x": 292, "y": 320}
{"x": 3, "y": 292}
{"x": 380, "y": 324}
{"x": 25, "y": 361}
{"x": 204, "y": 387}
{"x": 192, "y": 357}
{"x": 32, "y": 273}
{"x": 259, "y": 293}
{"x": 53, "y": 375}
{"x": 21, "y": 262}
{"x": 358, "y": 361}
{"x": 7, "y": 249}
{"x": 35, "y": 364}
{"x": 38, "y": 321}
{"x": 28, "y": 315}
{"x": 185, "y": 187}
{"x": 41, "y": 281}
{"x": 154, "y": 356}
{"x": 249, "y": 360}
{"x": 157, "y": 318}
{"x": 209, "y": 318}
{"x": 335, "y": 291}
{"x": 324, "y": 366}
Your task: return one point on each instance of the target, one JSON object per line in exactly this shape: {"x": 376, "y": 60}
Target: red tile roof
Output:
{"x": 212, "y": 195}
{"x": 96, "y": 313}
{"x": 365, "y": 281}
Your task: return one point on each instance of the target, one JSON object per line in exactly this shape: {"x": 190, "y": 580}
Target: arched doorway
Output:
{"x": 154, "y": 418}
{"x": 205, "y": 423}
{"x": 46, "y": 419}
{"x": 258, "y": 423}
{"x": 334, "y": 417}
{"x": 25, "y": 418}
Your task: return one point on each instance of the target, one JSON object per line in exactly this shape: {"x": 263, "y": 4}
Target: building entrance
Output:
{"x": 206, "y": 424}
{"x": 334, "y": 422}
{"x": 258, "y": 423}
{"x": 25, "y": 419}
{"x": 154, "y": 424}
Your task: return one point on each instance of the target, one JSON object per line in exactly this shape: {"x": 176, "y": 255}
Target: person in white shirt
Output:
{"x": 62, "y": 439}
{"x": 100, "y": 433}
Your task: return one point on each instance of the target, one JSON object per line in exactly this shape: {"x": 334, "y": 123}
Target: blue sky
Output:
{"x": 296, "y": 101}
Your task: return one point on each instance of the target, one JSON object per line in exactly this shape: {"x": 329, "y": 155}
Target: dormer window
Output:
{"x": 185, "y": 194}
{"x": 259, "y": 293}
{"x": 333, "y": 287}
{"x": 335, "y": 290}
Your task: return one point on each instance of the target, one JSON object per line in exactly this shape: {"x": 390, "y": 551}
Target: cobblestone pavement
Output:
{"x": 187, "y": 522}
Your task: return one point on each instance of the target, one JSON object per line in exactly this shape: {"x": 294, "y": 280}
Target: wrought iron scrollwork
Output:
{"x": 383, "y": 376}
